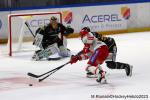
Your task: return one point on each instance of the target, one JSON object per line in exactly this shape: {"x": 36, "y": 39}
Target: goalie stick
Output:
{"x": 26, "y": 23}
{"x": 56, "y": 58}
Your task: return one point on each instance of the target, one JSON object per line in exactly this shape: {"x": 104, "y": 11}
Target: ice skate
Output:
{"x": 128, "y": 70}
{"x": 101, "y": 77}
{"x": 35, "y": 57}
{"x": 91, "y": 75}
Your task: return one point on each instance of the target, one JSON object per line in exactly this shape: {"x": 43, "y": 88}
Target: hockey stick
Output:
{"x": 51, "y": 71}
{"x": 26, "y": 23}
{"x": 40, "y": 80}
{"x": 58, "y": 58}
{"x": 56, "y": 69}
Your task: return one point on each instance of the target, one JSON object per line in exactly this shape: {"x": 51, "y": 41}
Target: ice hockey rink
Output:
{"x": 70, "y": 82}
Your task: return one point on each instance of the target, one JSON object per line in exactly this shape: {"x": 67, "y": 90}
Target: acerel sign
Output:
{"x": 101, "y": 18}
{"x": 104, "y": 18}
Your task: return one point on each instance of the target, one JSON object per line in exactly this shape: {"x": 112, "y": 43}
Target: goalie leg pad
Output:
{"x": 64, "y": 52}
{"x": 64, "y": 41}
{"x": 38, "y": 40}
{"x": 52, "y": 49}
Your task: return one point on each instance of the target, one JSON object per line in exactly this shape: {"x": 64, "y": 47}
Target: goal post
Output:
{"x": 19, "y": 32}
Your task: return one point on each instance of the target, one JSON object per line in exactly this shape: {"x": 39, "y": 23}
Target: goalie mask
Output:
{"x": 53, "y": 18}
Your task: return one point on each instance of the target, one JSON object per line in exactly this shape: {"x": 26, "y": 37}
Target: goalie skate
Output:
{"x": 50, "y": 50}
{"x": 35, "y": 57}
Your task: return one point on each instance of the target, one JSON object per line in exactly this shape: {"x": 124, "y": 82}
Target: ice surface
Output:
{"x": 70, "y": 82}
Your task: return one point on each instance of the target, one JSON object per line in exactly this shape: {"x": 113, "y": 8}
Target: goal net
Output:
{"x": 22, "y": 27}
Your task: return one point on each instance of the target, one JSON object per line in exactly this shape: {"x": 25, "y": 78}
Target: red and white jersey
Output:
{"x": 90, "y": 45}
{"x": 92, "y": 41}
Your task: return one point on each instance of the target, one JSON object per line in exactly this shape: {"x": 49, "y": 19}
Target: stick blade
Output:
{"x": 49, "y": 59}
{"x": 32, "y": 75}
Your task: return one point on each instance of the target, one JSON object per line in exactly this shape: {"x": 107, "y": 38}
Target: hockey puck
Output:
{"x": 30, "y": 84}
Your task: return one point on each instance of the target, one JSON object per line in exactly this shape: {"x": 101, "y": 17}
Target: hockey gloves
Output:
{"x": 74, "y": 59}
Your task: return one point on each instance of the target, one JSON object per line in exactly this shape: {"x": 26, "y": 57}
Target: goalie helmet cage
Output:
{"x": 17, "y": 30}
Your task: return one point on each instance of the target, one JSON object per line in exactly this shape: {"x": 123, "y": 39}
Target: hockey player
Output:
{"x": 111, "y": 60}
{"x": 51, "y": 40}
{"x": 95, "y": 51}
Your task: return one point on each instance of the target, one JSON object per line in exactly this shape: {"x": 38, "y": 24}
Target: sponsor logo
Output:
{"x": 125, "y": 12}
{"x": 0, "y": 24}
{"x": 39, "y": 22}
{"x": 101, "y": 18}
{"x": 67, "y": 16}
{"x": 110, "y": 20}
{"x": 36, "y": 23}
{"x": 103, "y": 21}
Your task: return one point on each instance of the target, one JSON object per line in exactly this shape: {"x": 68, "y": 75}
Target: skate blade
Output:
{"x": 103, "y": 81}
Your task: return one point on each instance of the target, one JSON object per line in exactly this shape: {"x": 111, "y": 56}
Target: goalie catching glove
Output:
{"x": 68, "y": 31}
